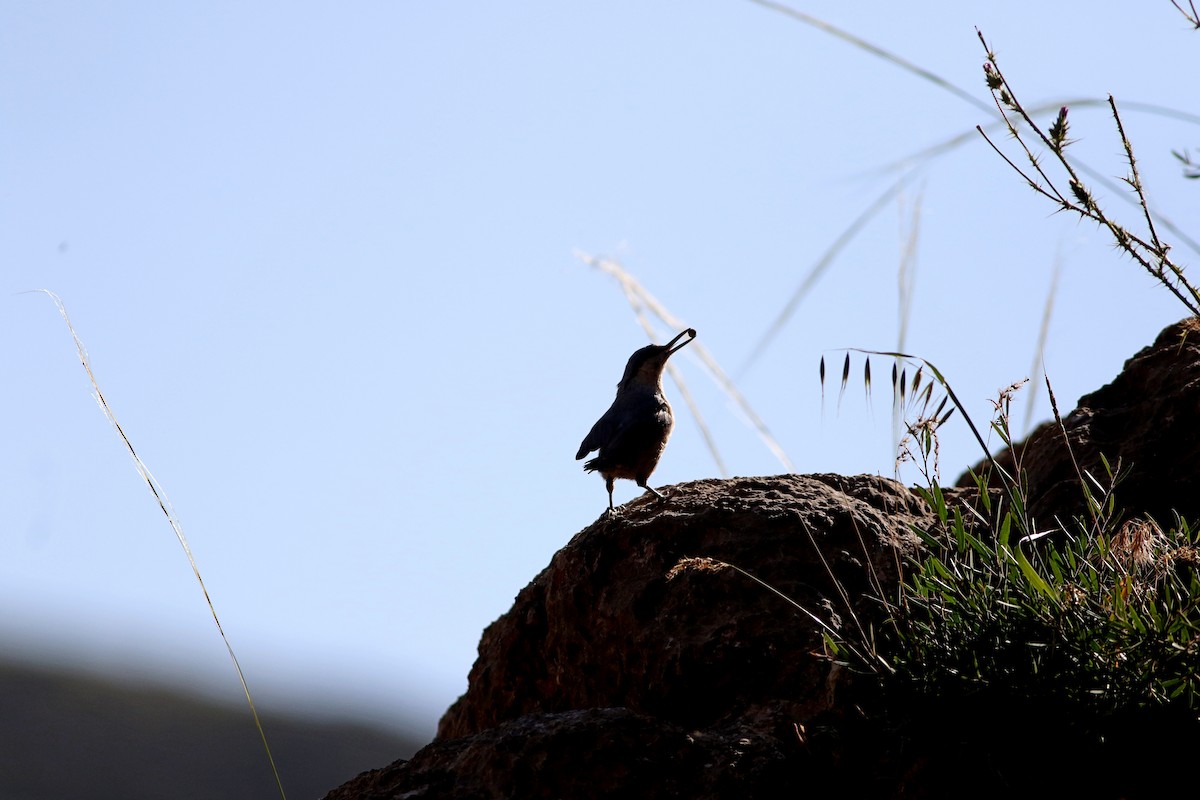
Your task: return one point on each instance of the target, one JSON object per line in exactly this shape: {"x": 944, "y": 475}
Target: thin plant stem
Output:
{"x": 164, "y": 503}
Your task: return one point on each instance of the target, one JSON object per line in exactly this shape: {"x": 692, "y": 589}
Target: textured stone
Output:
{"x": 1145, "y": 420}
{"x": 619, "y": 672}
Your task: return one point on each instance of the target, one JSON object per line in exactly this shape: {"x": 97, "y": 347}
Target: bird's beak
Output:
{"x": 690, "y": 333}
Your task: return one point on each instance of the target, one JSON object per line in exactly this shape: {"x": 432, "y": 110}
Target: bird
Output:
{"x": 633, "y": 433}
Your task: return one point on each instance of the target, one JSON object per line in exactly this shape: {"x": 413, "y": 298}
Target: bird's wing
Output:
{"x": 630, "y": 423}
{"x": 598, "y": 435}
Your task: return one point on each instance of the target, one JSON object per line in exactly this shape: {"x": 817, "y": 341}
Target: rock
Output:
{"x": 601, "y": 752}
{"x": 641, "y": 664}
{"x": 689, "y": 680}
{"x": 1145, "y": 420}
{"x": 605, "y": 625}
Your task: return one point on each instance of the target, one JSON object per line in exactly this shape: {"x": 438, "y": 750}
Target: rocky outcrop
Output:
{"x": 610, "y": 624}
{"x": 1145, "y": 421}
{"x": 620, "y": 666}
{"x": 596, "y": 752}
{"x": 644, "y": 663}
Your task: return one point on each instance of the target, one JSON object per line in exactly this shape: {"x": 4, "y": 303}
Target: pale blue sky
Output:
{"x": 322, "y": 259}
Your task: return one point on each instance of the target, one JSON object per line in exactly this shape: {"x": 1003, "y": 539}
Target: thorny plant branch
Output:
{"x": 1192, "y": 16}
{"x": 1135, "y": 180}
{"x": 929, "y": 153}
{"x": 1151, "y": 255}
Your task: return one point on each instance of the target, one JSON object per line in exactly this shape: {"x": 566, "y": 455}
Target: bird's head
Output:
{"x": 645, "y": 366}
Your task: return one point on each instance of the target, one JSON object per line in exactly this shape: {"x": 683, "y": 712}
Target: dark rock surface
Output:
{"x": 598, "y": 752}
{"x": 1145, "y": 420}
{"x": 618, "y": 674}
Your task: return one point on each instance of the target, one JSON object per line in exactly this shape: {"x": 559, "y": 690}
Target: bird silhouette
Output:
{"x": 633, "y": 433}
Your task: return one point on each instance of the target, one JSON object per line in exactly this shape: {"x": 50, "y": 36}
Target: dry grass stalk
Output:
{"x": 164, "y": 503}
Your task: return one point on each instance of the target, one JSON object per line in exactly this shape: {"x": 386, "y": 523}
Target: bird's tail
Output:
{"x": 594, "y": 464}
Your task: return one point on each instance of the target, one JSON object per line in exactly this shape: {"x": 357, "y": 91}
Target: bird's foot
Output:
{"x": 654, "y": 492}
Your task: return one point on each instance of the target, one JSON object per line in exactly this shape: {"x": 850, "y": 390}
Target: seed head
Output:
{"x": 994, "y": 81}
{"x": 1058, "y": 131}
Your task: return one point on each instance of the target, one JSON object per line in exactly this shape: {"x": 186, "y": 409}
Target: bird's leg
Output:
{"x": 651, "y": 490}
{"x": 608, "y": 481}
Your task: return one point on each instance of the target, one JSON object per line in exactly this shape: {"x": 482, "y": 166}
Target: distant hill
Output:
{"x": 63, "y": 735}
